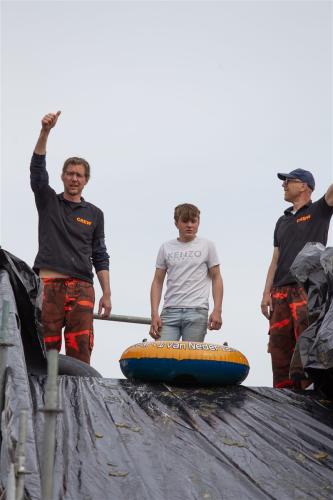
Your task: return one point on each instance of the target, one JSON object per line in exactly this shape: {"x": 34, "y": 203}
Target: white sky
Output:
{"x": 170, "y": 102}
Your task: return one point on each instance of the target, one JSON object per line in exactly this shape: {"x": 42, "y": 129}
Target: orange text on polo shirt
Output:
{"x": 84, "y": 221}
{"x": 304, "y": 218}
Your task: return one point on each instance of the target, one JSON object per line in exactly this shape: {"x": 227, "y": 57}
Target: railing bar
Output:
{"x": 125, "y": 319}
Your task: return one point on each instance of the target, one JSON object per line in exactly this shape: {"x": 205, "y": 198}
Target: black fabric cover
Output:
{"x": 124, "y": 440}
{"x": 27, "y": 290}
{"x": 313, "y": 268}
{"x": 308, "y": 271}
{"x": 17, "y": 397}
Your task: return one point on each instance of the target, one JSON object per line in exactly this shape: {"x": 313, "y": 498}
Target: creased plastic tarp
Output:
{"x": 313, "y": 268}
{"x": 308, "y": 270}
{"x": 17, "y": 398}
{"x": 124, "y": 440}
{"x": 27, "y": 290}
{"x": 121, "y": 440}
{"x": 118, "y": 439}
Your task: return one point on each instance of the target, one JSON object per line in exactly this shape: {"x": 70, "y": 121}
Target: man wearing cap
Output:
{"x": 284, "y": 301}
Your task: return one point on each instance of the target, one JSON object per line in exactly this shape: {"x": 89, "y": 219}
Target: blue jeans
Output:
{"x": 190, "y": 323}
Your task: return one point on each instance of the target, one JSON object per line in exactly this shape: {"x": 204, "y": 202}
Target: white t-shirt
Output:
{"x": 187, "y": 265}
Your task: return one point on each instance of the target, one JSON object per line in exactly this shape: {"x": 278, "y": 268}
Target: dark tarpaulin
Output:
{"x": 308, "y": 271}
{"x": 125, "y": 440}
{"x": 313, "y": 268}
{"x": 27, "y": 290}
{"x": 17, "y": 396}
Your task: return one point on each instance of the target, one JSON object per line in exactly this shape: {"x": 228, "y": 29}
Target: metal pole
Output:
{"x": 10, "y": 489}
{"x": 125, "y": 319}
{"x": 20, "y": 455}
{"x": 50, "y": 410}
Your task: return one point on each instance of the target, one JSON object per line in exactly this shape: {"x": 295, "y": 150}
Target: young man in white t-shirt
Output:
{"x": 192, "y": 266}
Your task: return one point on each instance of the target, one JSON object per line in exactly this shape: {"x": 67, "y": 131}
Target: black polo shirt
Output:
{"x": 292, "y": 231}
{"x": 70, "y": 235}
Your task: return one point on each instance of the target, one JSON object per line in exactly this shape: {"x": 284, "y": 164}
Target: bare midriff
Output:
{"x": 48, "y": 273}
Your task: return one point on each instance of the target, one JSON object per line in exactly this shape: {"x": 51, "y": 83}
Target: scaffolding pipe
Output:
{"x": 20, "y": 455}
{"x": 10, "y": 490}
{"x": 125, "y": 319}
{"x": 50, "y": 411}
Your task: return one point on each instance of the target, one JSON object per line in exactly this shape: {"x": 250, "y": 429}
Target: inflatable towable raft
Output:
{"x": 184, "y": 362}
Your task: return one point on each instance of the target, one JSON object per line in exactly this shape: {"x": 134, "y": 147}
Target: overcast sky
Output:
{"x": 170, "y": 102}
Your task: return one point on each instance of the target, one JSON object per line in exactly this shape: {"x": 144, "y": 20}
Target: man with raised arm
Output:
{"x": 192, "y": 266}
{"x": 284, "y": 302}
{"x": 71, "y": 240}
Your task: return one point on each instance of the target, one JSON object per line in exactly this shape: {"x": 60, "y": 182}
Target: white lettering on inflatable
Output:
{"x": 194, "y": 346}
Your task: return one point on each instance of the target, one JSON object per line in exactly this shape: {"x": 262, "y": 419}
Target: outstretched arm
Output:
{"x": 48, "y": 122}
{"x": 266, "y": 303}
{"x": 155, "y": 299}
{"x": 215, "y": 318}
{"x": 329, "y": 196}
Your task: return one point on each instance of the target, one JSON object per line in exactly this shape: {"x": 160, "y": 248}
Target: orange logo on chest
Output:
{"x": 84, "y": 221}
{"x": 304, "y": 218}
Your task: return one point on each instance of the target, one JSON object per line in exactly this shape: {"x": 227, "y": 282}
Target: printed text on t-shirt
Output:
{"x": 191, "y": 254}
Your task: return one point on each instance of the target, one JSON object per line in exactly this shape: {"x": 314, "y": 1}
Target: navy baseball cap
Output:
{"x": 300, "y": 174}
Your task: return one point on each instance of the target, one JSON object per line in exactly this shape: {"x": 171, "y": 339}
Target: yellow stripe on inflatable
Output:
{"x": 184, "y": 350}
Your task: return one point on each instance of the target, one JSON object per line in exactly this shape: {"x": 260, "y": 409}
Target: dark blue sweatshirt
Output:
{"x": 70, "y": 235}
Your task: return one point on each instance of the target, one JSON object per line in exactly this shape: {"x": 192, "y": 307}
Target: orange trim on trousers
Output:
{"x": 288, "y": 320}
{"x": 69, "y": 303}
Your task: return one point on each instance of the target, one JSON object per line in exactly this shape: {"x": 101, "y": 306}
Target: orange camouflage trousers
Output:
{"x": 68, "y": 303}
{"x": 289, "y": 318}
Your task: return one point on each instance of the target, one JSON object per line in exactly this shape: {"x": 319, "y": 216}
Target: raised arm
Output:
{"x": 48, "y": 122}
{"x": 39, "y": 179}
{"x": 329, "y": 196}
{"x": 215, "y": 318}
{"x": 266, "y": 303}
{"x": 155, "y": 299}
